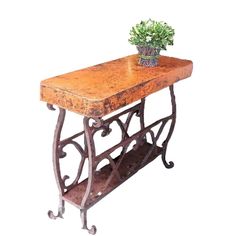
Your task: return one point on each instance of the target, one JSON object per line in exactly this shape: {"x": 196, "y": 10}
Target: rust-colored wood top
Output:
{"x": 98, "y": 90}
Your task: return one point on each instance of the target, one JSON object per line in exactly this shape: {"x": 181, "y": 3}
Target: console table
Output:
{"x": 95, "y": 92}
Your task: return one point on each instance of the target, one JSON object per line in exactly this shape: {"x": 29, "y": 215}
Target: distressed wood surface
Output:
{"x": 98, "y": 90}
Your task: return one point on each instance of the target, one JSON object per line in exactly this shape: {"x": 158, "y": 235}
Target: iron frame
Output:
{"x": 89, "y": 152}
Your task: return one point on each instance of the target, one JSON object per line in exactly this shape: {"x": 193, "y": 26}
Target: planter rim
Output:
{"x": 143, "y": 46}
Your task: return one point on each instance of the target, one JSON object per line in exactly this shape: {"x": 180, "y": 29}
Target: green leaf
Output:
{"x": 160, "y": 32}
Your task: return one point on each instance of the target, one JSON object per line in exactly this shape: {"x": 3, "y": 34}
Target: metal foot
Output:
{"x": 61, "y": 211}
{"x": 83, "y": 215}
{"x": 169, "y": 164}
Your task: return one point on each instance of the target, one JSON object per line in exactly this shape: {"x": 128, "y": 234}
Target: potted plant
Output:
{"x": 150, "y": 37}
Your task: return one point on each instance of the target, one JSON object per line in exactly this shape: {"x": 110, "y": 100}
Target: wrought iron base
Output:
{"x": 84, "y": 194}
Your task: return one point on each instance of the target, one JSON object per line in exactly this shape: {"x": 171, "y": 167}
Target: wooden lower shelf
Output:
{"x": 129, "y": 166}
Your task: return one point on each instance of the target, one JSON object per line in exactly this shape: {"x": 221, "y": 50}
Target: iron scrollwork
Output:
{"x": 89, "y": 151}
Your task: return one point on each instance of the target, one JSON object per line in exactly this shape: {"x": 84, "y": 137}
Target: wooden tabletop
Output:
{"x": 98, "y": 90}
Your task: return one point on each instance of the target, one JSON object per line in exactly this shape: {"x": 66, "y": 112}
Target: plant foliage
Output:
{"x": 153, "y": 34}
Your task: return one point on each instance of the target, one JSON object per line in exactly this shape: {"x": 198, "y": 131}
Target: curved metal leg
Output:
{"x": 57, "y": 154}
{"x": 91, "y": 154}
{"x": 142, "y": 124}
{"x": 141, "y": 113}
{"x": 61, "y": 211}
{"x": 83, "y": 215}
{"x": 173, "y": 121}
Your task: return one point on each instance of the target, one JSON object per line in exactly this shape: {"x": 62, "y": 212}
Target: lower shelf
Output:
{"x": 129, "y": 166}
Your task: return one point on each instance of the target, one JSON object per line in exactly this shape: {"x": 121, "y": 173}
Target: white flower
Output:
{"x": 148, "y": 39}
{"x": 149, "y": 23}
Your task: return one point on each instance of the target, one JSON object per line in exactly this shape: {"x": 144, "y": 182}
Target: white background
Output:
{"x": 41, "y": 39}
